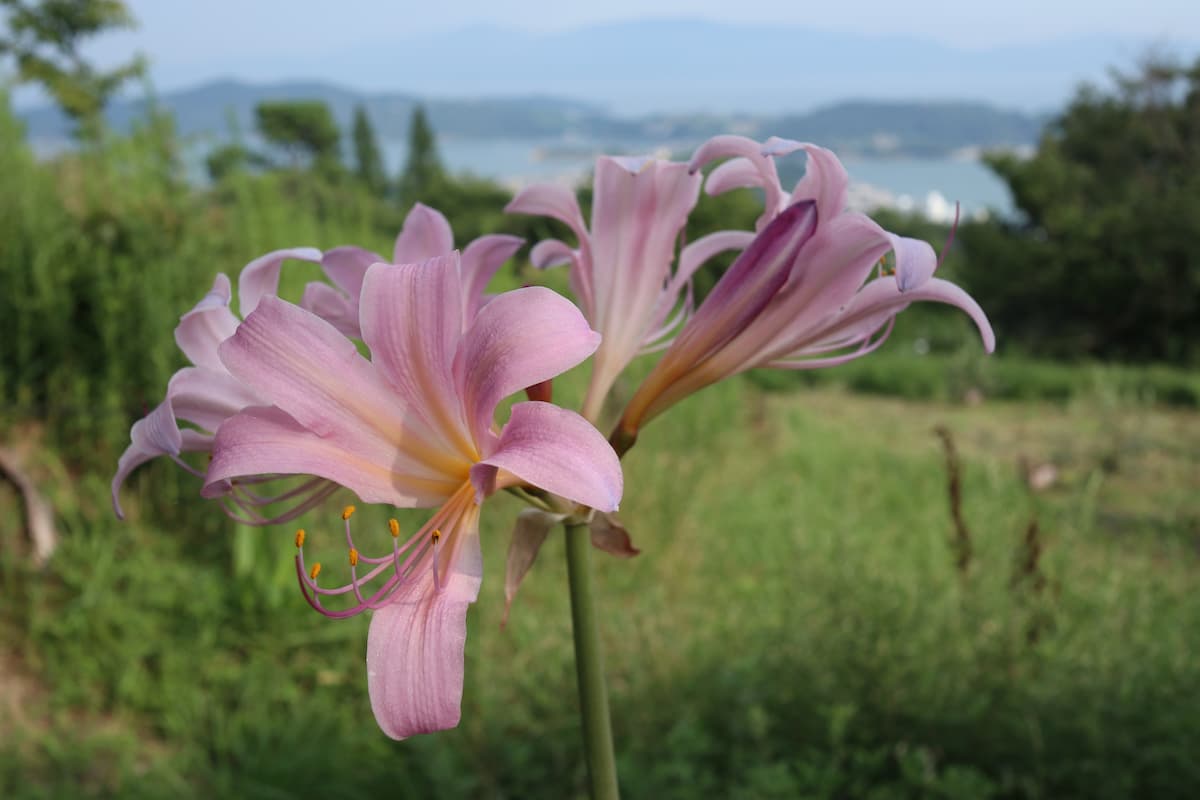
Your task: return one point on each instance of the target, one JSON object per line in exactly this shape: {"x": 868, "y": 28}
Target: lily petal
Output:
{"x": 551, "y": 253}
{"x": 300, "y": 363}
{"x": 556, "y": 450}
{"x": 519, "y": 339}
{"x": 730, "y": 146}
{"x": 154, "y": 435}
{"x": 347, "y": 266}
{"x": 411, "y": 318}
{"x": 824, "y": 181}
{"x": 425, "y": 234}
{"x": 416, "y": 644}
{"x": 736, "y": 173}
{"x": 332, "y": 306}
{"x": 207, "y": 397}
{"x": 915, "y": 261}
{"x": 265, "y": 441}
{"x": 209, "y": 323}
{"x": 480, "y": 262}
{"x": 260, "y": 277}
{"x": 550, "y": 200}
{"x": 882, "y": 298}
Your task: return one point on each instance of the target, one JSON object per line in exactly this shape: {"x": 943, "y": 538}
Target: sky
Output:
{"x": 188, "y": 42}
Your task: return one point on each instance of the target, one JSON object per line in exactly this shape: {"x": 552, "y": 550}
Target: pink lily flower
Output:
{"x": 817, "y": 287}
{"x": 621, "y": 270}
{"x": 425, "y": 234}
{"x": 413, "y": 427}
{"x": 205, "y": 394}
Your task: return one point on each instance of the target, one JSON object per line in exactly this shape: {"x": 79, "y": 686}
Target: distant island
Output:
{"x": 924, "y": 129}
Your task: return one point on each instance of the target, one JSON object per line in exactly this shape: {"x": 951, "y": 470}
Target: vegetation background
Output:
{"x": 925, "y": 574}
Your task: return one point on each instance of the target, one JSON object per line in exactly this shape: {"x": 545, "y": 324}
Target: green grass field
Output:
{"x": 804, "y": 619}
{"x": 796, "y": 625}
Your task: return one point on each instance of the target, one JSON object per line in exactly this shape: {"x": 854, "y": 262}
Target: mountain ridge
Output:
{"x": 219, "y": 108}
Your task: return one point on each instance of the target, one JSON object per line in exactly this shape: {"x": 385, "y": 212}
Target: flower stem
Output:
{"x": 589, "y": 666}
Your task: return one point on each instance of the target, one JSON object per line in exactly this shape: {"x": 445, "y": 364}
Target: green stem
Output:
{"x": 589, "y": 666}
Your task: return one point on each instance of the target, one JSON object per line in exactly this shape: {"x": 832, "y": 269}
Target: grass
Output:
{"x": 795, "y": 626}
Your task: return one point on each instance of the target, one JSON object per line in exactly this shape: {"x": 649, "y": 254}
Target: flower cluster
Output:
{"x": 283, "y": 393}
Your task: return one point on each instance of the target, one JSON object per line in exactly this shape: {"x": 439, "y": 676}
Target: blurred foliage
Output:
{"x": 368, "y": 160}
{"x": 1103, "y": 261}
{"x": 305, "y": 129}
{"x": 796, "y": 626}
{"x": 423, "y": 175}
{"x": 44, "y": 38}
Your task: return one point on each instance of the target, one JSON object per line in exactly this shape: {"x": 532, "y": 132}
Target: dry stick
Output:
{"x": 962, "y": 540}
{"x": 38, "y": 513}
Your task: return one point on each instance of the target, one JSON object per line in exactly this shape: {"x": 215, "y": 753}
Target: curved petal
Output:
{"x": 416, "y": 643}
{"x": 550, "y": 200}
{"x": 425, "y": 234}
{"x": 154, "y": 435}
{"x": 726, "y": 146}
{"x": 209, "y": 323}
{"x": 833, "y": 267}
{"x": 824, "y": 181}
{"x": 882, "y": 298}
{"x": 730, "y": 146}
{"x": 736, "y": 173}
{"x": 347, "y": 266}
{"x": 915, "y": 261}
{"x": 521, "y": 338}
{"x": 265, "y": 441}
{"x": 748, "y": 286}
{"x": 261, "y": 276}
{"x": 411, "y": 318}
{"x": 300, "y": 363}
{"x": 551, "y": 253}
{"x": 332, "y": 306}
{"x": 208, "y": 397}
{"x": 480, "y": 261}
{"x": 556, "y": 450}
{"x": 693, "y": 256}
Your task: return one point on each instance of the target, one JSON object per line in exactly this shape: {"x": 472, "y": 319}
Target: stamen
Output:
{"x": 387, "y": 574}
{"x": 300, "y": 537}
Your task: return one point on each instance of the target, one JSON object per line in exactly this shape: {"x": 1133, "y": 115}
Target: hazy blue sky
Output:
{"x": 189, "y": 41}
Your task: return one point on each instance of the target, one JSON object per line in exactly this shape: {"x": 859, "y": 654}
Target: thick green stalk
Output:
{"x": 589, "y": 666}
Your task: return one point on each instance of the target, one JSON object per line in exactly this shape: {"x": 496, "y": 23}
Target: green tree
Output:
{"x": 368, "y": 160}
{"x": 423, "y": 176}
{"x": 305, "y": 129}
{"x": 1103, "y": 261}
{"x": 44, "y": 39}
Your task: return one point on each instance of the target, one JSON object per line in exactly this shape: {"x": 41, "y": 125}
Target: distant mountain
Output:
{"x": 861, "y": 127}
{"x": 219, "y": 107}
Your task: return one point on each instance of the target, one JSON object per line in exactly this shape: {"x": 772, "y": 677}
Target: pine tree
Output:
{"x": 367, "y": 157}
{"x": 423, "y": 173}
